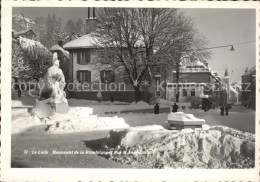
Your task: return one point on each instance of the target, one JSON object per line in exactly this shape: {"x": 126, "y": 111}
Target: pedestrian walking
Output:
{"x": 222, "y": 110}
{"x": 156, "y": 109}
{"x": 227, "y": 109}
{"x": 175, "y": 107}
{"x": 19, "y": 87}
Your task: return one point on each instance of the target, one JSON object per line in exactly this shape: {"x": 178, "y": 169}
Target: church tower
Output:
{"x": 226, "y": 84}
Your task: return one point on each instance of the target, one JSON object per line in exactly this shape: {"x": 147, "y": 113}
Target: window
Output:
{"x": 83, "y": 57}
{"x": 107, "y": 76}
{"x": 192, "y": 92}
{"x": 184, "y": 92}
{"x": 84, "y": 76}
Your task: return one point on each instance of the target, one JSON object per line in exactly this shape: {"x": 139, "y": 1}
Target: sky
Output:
{"x": 219, "y": 26}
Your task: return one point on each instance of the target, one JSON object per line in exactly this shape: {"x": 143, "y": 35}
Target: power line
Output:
{"x": 216, "y": 47}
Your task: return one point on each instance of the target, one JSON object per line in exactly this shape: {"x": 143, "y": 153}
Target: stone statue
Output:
{"x": 54, "y": 83}
{"x": 52, "y": 97}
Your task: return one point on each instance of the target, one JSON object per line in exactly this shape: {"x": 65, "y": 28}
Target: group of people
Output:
{"x": 175, "y": 108}
{"x": 224, "y": 109}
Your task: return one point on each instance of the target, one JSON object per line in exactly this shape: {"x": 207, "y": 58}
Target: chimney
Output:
{"x": 246, "y": 70}
{"x": 60, "y": 43}
{"x": 91, "y": 20}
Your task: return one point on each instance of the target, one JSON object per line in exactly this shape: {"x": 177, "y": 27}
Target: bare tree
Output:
{"x": 139, "y": 40}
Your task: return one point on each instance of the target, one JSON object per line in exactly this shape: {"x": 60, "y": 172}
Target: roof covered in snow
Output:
{"x": 86, "y": 41}
{"x": 194, "y": 67}
{"x": 90, "y": 41}
{"x": 28, "y": 43}
{"x": 21, "y": 16}
{"x": 24, "y": 31}
{"x": 59, "y": 48}
{"x": 250, "y": 71}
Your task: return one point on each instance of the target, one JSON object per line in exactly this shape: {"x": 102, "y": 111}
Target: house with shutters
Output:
{"x": 83, "y": 53}
{"x": 91, "y": 79}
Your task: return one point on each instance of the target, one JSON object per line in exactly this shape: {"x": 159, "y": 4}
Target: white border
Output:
{"x": 73, "y": 174}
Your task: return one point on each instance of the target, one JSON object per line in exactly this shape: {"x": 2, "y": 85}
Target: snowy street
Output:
{"x": 35, "y": 135}
{"x": 141, "y": 114}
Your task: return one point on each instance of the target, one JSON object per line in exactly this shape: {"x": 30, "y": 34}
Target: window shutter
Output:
{"x": 102, "y": 76}
{"x": 78, "y": 76}
{"x": 112, "y": 76}
{"x": 83, "y": 61}
{"x": 87, "y": 56}
{"x": 78, "y": 57}
{"x": 88, "y": 73}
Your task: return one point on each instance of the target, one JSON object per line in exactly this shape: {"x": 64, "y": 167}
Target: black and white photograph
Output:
{"x": 133, "y": 88}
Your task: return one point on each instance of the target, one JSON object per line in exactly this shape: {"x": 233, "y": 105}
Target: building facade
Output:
{"x": 195, "y": 80}
{"x": 29, "y": 34}
{"x": 90, "y": 78}
{"x": 20, "y": 22}
{"x": 248, "y": 92}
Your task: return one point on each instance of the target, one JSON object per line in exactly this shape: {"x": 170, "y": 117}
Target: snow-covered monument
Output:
{"x": 52, "y": 97}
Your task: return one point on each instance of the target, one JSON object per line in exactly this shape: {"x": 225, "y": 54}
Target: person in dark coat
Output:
{"x": 227, "y": 109}
{"x": 19, "y": 85}
{"x": 222, "y": 110}
{"x": 175, "y": 107}
{"x": 156, "y": 109}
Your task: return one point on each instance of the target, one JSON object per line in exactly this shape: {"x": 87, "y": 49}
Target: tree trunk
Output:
{"x": 138, "y": 93}
{"x": 177, "y": 81}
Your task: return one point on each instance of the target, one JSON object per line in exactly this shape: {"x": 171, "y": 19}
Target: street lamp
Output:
{"x": 232, "y": 48}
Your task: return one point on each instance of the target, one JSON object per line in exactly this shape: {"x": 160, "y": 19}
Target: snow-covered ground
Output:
{"x": 109, "y": 115}
{"x": 156, "y": 147}
{"x": 113, "y": 107}
{"x": 84, "y": 115}
{"x": 78, "y": 119}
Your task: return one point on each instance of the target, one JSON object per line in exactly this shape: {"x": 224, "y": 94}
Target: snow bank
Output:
{"x": 76, "y": 120}
{"x": 181, "y": 116}
{"x": 209, "y": 147}
{"x": 139, "y": 104}
{"x": 21, "y": 119}
{"x": 81, "y": 119}
{"x": 25, "y": 100}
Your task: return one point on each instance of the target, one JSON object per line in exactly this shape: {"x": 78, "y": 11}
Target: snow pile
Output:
{"x": 139, "y": 104}
{"x": 181, "y": 116}
{"x": 21, "y": 119}
{"x": 17, "y": 103}
{"x": 81, "y": 119}
{"x": 76, "y": 120}
{"x": 209, "y": 147}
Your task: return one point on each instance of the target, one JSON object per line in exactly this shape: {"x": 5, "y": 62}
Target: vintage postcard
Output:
{"x": 123, "y": 91}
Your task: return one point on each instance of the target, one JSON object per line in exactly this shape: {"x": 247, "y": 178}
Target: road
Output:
{"x": 239, "y": 117}
{"x": 36, "y": 139}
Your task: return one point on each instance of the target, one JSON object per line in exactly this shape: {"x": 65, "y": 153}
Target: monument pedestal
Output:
{"x": 42, "y": 110}
{"x": 61, "y": 107}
